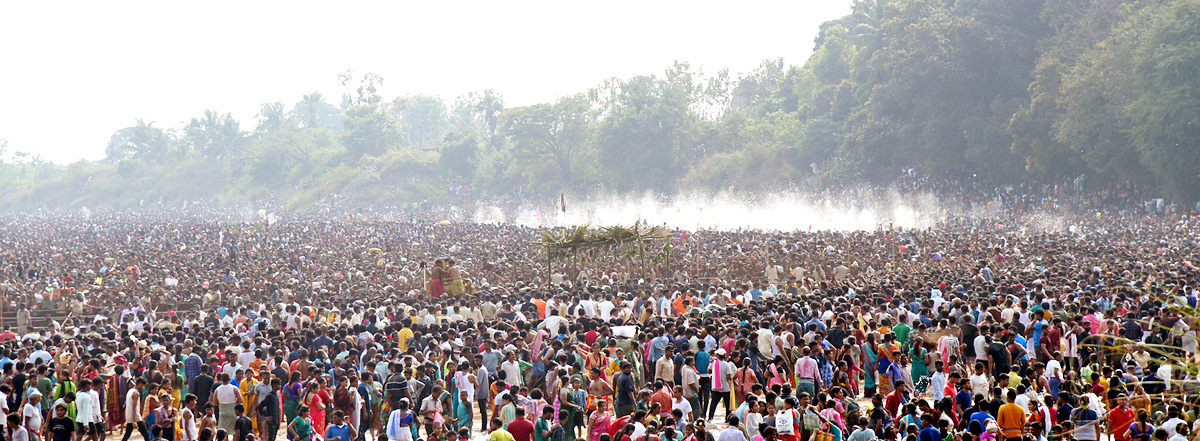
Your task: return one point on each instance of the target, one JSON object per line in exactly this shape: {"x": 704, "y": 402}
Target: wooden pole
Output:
{"x": 697, "y": 257}
{"x": 768, "y": 243}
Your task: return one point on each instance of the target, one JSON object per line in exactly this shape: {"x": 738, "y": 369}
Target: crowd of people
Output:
{"x": 193, "y": 328}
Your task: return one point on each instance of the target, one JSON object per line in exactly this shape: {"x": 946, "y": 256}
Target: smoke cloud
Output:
{"x": 789, "y": 211}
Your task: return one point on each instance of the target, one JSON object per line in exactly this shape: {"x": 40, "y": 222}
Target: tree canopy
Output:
{"x": 1000, "y": 91}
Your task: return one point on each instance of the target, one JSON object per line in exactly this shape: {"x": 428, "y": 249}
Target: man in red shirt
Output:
{"x": 1119, "y": 419}
{"x": 895, "y": 399}
{"x": 662, "y": 396}
{"x": 1051, "y": 339}
{"x": 521, "y": 428}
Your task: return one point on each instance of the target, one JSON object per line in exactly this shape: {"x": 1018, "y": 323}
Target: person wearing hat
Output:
{"x": 722, "y": 383}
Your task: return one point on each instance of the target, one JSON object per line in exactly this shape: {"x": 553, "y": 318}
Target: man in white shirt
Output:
{"x": 678, "y": 401}
{"x": 40, "y": 354}
{"x": 1172, "y": 424}
{"x": 639, "y": 427}
{"x": 732, "y": 433}
{"x": 589, "y": 307}
{"x": 664, "y": 368}
{"x": 937, "y": 382}
{"x": 606, "y": 308}
{"x": 225, "y": 397}
{"x": 980, "y": 344}
{"x": 1054, "y": 372}
{"x": 430, "y": 406}
{"x": 979, "y": 382}
{"x": 31, "y": 413}
{"x": 512, "y": 369}
{"x": 17, "y": 432}
{"x": 85, "y": 416}
{"x": 764, "y": 339}
{"x": 1165, "y": 372}
{"x": 691, "y": 382}
{"x": 246, "y": 355}
{"x": 553, "y": 323}
{"x": 772, "y": 273}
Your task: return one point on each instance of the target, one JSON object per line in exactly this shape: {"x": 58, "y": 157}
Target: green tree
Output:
{"x": 1032, "y": 128}
{"x": 288, "y": 155}
{"x": 649, "y": 133}
{"x": 142, "y": 142}
{"x": 272, "y": 116}
{"x": 421, "y": 119}
{"x": 313, "y": 111}
{"x": 478, "y": 114}
{"x": 460, "y": 157}
{"x": 215, "y": 136}
{"x": 367, "y": 92}
{"x": 1095, "y": 93}
{"x": 1165, "y": 115}
{"x": 369, "y": 131}
{"x": 554, "y": 141}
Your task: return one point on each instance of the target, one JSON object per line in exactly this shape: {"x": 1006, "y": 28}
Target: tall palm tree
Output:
{"x": 215, "y": 135}
{"x": 151, "y": 142}
{"x": 271, "y": 116}
{"x": 142, "y": 142}
{"x": 311, "y": 104}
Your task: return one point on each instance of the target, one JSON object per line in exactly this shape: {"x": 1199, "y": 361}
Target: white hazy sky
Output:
{"x": 74, "y": 72}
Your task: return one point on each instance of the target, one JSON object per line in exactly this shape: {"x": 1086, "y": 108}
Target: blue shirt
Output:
{"x": 702, "y": 361}
{"x": 658, "y": 347}
{"x": 681, "y": 344}
{"x": 491, "y": 360}
{"x": 963, "y": 400}
{"x": 982, "y": 418}
{"x": 1024, "y": 344}
{"x": 929, "y": 433}
{"x": 344, "y": 432}
{"x": 1037, "y": 331}
{"x": 710, "y": 343}
{"x": 814, "y": 321}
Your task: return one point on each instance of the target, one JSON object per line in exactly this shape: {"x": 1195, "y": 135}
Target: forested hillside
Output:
{"x": 1001, "y": 91}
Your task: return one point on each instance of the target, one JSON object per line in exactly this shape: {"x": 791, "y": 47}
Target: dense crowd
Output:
{"x": 196, "y": 328}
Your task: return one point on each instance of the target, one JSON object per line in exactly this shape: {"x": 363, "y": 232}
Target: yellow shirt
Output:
{"x": 1013, "y": 379}
{"x": 1011, "y": 419}
{"x": 500, "y": 435}
{"x": 248, "y": 396}
{"x": 404, "y": 335}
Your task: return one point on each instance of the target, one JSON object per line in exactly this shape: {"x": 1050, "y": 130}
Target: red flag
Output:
{"x": 563, "y": 199}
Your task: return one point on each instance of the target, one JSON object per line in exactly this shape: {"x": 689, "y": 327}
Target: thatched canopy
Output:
{"x": 584, "y": 238}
